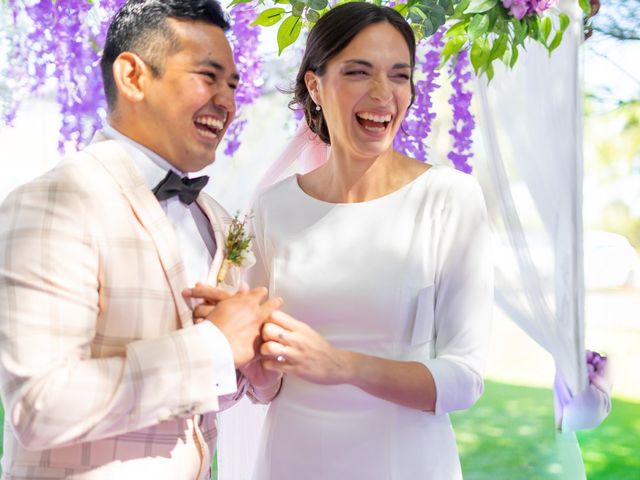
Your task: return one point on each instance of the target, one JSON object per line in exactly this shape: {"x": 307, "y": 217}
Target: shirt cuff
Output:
{"x": 224, "y": 366}
{"x": 264, "y": 394}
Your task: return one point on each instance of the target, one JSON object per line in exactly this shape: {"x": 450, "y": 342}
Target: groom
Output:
{"x": 103, "y": 373}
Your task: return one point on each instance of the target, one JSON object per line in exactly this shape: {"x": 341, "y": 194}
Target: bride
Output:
{"x": 384, "y": 267}
{"x": 383, "y": 263}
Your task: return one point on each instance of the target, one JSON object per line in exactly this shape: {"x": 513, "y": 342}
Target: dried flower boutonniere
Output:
{"x": 237, "y": 246}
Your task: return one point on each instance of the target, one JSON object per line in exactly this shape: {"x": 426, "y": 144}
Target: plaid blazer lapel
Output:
{"x": 219, "y": 232}
{"x": 148, "y": 211}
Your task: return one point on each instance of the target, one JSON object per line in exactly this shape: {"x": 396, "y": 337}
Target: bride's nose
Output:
{"x": 380, "y": 89}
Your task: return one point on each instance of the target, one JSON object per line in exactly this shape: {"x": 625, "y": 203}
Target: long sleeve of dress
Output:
{"x": 463, "y": 299}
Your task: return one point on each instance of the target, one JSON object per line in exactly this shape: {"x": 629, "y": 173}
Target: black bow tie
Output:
{"x": 187, "y": 189}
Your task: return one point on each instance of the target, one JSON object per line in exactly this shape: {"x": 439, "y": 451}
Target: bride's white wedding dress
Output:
{"x": 407, "y": 276}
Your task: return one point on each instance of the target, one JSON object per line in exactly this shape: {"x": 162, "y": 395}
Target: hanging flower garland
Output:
{"x": 463, "y": 121}
{"x": 417, "y": 124}
{"x": 491, "y": 30}
{"x": 244, "y": 40}
{"x": 56, "y": 45}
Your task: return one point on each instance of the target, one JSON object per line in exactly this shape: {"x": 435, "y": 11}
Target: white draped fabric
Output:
{"x": 531, "y": 143}
{"x": 531, "y": 130}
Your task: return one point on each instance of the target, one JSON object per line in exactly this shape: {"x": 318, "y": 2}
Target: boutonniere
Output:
{"x": 237, "y": 247}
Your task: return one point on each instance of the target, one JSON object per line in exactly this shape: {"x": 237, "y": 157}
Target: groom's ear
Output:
{"x": 130, "y": 74}
{"x": 312, "y": 82}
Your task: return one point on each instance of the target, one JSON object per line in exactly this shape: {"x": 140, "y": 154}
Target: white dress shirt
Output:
{"x": 196, "y": 243}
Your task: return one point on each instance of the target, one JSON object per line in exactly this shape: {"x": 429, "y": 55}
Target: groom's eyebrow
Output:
{"x": 216, "y": 66}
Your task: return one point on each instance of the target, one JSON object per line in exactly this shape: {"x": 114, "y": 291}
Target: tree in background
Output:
{"x": 612, "y": 120}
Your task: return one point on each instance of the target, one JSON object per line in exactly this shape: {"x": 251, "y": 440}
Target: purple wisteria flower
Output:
{"x": 56, "y": 48}
{"x": 521, "y": 8}
{"x": 463, "y": 121}
{"x": 244, "y": 40}
{"x": 411, "y": 138}
{"x": 596, "y": 365}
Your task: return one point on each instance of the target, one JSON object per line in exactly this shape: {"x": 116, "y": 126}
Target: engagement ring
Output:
{"x": 280, "y": 359}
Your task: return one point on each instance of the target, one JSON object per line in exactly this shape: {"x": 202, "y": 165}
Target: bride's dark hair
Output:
{"x": 333, "y": 32}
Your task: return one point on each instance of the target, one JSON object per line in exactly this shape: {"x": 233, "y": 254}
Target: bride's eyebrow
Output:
{"x": 366, "y": 63}
{"x": 359, "y": 62}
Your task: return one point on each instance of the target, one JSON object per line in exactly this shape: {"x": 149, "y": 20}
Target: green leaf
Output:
{"x": 459, "y": 9}
{"x": 506, "y": 56}
{"x": 534, "y": 27}
{"x": 312, "y": 16}
{"x": 514, "y": 56}
{"x": 564, "y": 21}
{"x": 447, "y": 6}
{"x": 479, "y": 53}
{"x": 237, "y": 2}
{"x": 288, "y": 32}
{"x": 545, "y": 29}
{"x": 298, "y": 9}
{"x": 480, "y": 6}
{"x": 430, "y": 27}
{"x": 416, "y": 15}
{"x": 555, "y": 43}
{"x": 499, "y": 47}
{"x": 269, "y": 17}
{"x": 519, "y": 31}
{"x": 318, "y": 4}
{"x": 478, "y": 26}
{"x": 489, "y": 71}
{"x": 495, "y": 15}
{"x": 453, "y": 46}
{"x": 456, "y": 29}
{"x": 585, "y": 5}
{"x": 402, "y": 9}
{"x": 437, "y": 15}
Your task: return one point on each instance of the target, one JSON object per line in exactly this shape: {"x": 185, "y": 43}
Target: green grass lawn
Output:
{"x": 509, "y": 434}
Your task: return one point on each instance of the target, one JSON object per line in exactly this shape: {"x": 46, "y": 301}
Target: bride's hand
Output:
{"x": 293, "y": 347}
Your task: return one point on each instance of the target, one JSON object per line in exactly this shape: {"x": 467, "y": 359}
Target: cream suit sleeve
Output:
{"x": 54, "y": 389}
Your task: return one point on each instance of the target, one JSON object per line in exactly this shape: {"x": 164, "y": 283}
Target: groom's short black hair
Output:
{"x": 140, "y": 27}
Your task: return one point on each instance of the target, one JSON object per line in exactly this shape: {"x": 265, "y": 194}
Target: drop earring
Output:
{"x": 318, "y": 108}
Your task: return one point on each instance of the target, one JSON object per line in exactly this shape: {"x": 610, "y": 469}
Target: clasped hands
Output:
{"x": 266, "y": 342}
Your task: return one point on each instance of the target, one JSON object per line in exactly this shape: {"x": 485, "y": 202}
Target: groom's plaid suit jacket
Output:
{"x": 102, "y": 373}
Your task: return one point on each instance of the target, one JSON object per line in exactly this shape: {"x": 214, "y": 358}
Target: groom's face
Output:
{"x": 189, "y": 106}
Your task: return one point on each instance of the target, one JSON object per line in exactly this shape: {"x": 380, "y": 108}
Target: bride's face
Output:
{"x": 365, "y": 91}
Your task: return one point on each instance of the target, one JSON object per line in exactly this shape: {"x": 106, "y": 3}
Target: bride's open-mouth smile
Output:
{"x": 374, "y": 124}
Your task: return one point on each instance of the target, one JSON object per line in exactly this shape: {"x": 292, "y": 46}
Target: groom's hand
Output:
{"x": 210, "y": 296}
{"x": 240, "y": 318}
